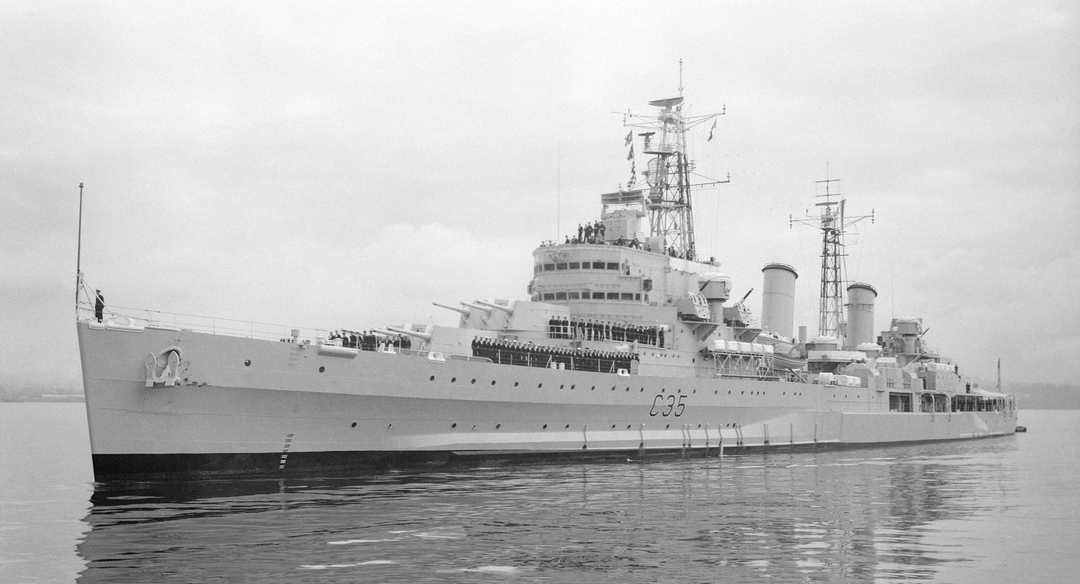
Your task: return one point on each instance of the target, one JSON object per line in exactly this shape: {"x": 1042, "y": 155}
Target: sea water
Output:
{"x": 990, "y": 510}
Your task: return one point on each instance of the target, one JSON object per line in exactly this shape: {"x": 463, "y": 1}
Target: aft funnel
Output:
{"x": 860, "y": 315}
{"x": 778, "y": 299}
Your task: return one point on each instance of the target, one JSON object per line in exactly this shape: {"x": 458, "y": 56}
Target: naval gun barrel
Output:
{"x": 746, "y": 296}
{"x": 463, "y": 311}
{"x": 483, "y": 309}
{"x": 505, "y": 309}
{"x": 422, "y": 336}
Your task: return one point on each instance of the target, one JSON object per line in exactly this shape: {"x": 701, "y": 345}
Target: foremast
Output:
{"x": 669, "y": 198}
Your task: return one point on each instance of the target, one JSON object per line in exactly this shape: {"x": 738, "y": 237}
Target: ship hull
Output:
{"x": 250, "y": 407}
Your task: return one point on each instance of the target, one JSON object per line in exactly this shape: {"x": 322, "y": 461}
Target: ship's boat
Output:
{"x": 627, "y": 346}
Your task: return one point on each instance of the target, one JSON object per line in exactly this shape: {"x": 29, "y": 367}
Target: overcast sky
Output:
{"x": 344, "y": 164}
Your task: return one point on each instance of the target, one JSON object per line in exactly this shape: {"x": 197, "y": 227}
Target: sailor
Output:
{"x": 99, "y": 305}
{"x": 580, "y": 231}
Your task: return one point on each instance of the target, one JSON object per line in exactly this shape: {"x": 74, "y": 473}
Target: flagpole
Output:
{"x": 78, "y": 254}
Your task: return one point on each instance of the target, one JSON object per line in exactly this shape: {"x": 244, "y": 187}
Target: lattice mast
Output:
{"x": 832, "y": 222}
{"x": 669, "y": 194}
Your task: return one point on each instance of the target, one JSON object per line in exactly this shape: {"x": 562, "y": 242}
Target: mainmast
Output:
{"x": 832, "y": 222}
{"x": 668, "y": 199}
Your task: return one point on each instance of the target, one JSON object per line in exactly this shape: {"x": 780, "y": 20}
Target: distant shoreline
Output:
{"x": 45, "y": 398}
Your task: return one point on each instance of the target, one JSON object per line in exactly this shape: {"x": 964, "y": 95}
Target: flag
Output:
{"x": 629, "y": 138}
{"x": 711, "y": 130}
{"x": 631, "y": 155}
{"x": 633, "y": 172}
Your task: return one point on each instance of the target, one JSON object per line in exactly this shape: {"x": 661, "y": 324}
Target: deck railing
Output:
{"x": 205, "y": 324}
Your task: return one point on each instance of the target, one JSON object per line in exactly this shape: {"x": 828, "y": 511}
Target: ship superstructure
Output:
{"x": 628, "y": 345}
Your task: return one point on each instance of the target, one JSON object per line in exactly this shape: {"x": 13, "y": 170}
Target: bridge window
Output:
{"x": 575, "y": 265}
{"x": 613, "y": 265}
{"x": 613, "y": 295}
{"x": 549, "y": 267}
{"x": 598, "y": 265}
{"x": 560, "y": 296}
{"x": 549, "y": 296}
{"x": 627, "y": 296}
{"x": 560, "y": 266}
{"x": 573, "y": 295}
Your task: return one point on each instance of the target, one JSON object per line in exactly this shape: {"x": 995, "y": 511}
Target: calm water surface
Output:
{"x": 995, "y": 510}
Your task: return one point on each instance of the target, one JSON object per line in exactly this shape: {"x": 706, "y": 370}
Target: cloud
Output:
{"x": 345, "y": 164}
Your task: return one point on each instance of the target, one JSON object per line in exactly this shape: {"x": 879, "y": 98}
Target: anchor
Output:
{"x": 164, "y": 367}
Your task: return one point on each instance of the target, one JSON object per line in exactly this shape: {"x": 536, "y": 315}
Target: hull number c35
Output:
{"x": 667, "y": 405}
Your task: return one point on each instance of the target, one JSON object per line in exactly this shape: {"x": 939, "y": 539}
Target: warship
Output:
{"x": 628, "y": 346}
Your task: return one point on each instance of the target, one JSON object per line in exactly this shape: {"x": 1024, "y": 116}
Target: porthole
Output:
{"x": 497, "y": 426}
{"x": 567, "y": 427}
{"x": 593, "y": 388}
{"x": 572, "y": 387}
{"x": 492, "y": 382}
{"x": 613, "y": 426}
{"x": 247, "y": 363}
{"x": 432, "y": 378}
{"x": 353, "y": 425}
{"x": 628, "y": 426}
{"x": 539, "y": 385}
{"x": 515, "y": 384}
{"x": 453, "y": 379}
{"x": 454, "y": 425}
{"x": 322, "y": 369}
{"x": 668, "y": 426}
{"x": 474, "y": 382}
{"x": 389, "y": 426}
{"x": 545, "y": 426}
{"x": 561, "y": 386}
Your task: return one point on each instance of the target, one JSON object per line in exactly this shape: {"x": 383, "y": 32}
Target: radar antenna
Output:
{"x": 832, "y": 222}
{"x": 668, "y": 199}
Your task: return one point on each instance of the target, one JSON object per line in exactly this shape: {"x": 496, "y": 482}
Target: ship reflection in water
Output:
{"x": 856, "y": 515}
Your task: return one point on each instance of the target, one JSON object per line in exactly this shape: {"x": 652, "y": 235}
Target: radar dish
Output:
{"x": 652, "y": 175}
{"x": 666, "y": 102}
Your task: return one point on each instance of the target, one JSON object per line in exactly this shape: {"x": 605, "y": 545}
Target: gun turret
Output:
{"x": 419, "y": 335}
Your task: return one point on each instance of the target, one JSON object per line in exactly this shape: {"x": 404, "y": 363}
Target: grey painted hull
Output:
{"x": 249, "y": 406}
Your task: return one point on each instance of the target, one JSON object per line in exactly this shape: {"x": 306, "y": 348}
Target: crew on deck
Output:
{"x": 532, "y": 355}
{"x": 600, "y": 330}
{"x": 369, "y": 341}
